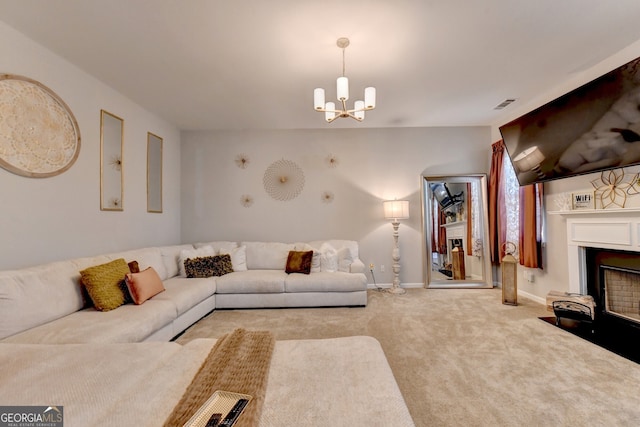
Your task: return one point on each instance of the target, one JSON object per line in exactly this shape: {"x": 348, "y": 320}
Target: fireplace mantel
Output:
{"x": 597, "y": 212}
{"x": 617, "y": 229}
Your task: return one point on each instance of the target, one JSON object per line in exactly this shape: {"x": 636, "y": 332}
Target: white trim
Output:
{"x": 402, "y": 285}
{"x": 532, "y": 297}
{"x": 606, "y": 229}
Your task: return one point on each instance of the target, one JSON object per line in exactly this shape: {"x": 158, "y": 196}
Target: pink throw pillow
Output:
{"x": 143, "y": 285}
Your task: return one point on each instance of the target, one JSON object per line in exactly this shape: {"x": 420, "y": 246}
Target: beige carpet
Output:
{"x": 460, "y": 358}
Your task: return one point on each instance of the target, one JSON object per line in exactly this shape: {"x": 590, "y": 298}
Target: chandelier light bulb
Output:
{"x": 342, "y": 85}
{"x": 330, "y": 112}
{"x": 369, "y": 98}
{"x": 359, "y": 107}
{"x": 318, "y": 99}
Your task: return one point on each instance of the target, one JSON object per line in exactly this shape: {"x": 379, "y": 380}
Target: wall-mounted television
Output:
{"x": 592, "y": 128}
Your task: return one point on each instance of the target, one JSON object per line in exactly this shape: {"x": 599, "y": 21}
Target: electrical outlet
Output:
{"x": 382, "y": 268}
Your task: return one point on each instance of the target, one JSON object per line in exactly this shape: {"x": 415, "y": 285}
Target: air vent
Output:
{"x": 504, "y": 104}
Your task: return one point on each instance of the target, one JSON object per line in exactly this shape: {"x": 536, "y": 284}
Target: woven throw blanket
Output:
{"x": 238, "y": 362}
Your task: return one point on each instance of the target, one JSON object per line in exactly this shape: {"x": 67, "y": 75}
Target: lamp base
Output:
{"x": 396, "y": 291}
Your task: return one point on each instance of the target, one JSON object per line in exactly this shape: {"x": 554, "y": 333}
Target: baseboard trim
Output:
{"x": 532, "y": 297}
{"x": 389, "y": 285}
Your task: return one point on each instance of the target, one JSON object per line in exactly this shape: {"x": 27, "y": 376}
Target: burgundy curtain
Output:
{"x": 438, "y": 244}
{"x": 531, "y": 207}
{"x": 442, "y": 232}
{"x": 435, "y": 221}
{"x": 468, "y": 243}
{"x": 531, "y": 225}
{"x": 497, "y": 231}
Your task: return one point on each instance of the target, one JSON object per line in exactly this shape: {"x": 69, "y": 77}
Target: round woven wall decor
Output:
{"x": 39, "y": 136}
{"x": 283, "y": 180}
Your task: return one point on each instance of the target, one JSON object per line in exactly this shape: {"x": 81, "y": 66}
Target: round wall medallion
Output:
{"x": 283, "y": 180}
{"x": 39, "y": 136}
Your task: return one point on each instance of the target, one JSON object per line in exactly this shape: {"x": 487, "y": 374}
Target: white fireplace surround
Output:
{"x": 607, "y": 229}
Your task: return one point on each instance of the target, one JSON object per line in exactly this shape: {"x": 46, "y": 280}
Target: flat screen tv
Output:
{"x": 592, "y": 128}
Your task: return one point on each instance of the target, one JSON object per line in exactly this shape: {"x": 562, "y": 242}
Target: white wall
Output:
{"x": 374, "y": 165}
{"x": 555, "y": 275}
{"x": 56, "y": 218}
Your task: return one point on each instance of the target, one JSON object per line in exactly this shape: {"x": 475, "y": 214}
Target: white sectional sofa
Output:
{"x": 60, "y": 352}
{"x": 45, "y": 304}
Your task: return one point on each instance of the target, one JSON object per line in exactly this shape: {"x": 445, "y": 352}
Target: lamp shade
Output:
{"x": 396, "y": 209}
{"x": 528, "y": 159}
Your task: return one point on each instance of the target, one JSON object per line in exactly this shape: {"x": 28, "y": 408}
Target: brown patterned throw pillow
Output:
{"x": 208, "y": 266}
{"x": 299, "y": 262}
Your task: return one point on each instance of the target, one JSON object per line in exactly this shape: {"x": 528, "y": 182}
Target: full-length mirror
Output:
{"x": 154, "y": 173}
{"x": 456, "y": 232}
{"x": 111, "y": 140}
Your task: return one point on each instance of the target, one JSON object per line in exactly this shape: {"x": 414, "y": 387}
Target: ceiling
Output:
{"x": 253, "y": 64}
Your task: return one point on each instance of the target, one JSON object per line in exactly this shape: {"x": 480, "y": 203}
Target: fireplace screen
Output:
{"x": 622, "y": 292}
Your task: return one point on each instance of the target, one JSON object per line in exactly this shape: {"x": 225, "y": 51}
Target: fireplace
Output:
{"x": 603, "y": 249}
{"x": 613, "y": 279}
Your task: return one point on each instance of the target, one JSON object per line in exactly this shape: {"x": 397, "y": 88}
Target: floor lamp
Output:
{"x": 395, "y": 210}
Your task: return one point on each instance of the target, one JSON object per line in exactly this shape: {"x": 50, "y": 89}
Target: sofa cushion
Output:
{"x": 267, "y": 255}
{"x": 328, "y": 258}
{"x": 299, "y": 262}
{"x": 193, "y": 253}
{"x": 208, "y": 266}
{"x": 129, "y": 323}
{"x": 326, "y": 282}
{"x": 26, "y": 301}
{"x": 104, "y": 284}
{"x": 339, "y": 244}
{"x": 251, "y": 282}
{"x": 170, "y": 258}
{"x": 143, "y": 285}
{"x": 238, "y": 257}
{"x": 146, "y": 257}
{"x": 345, "y": 259}
{"x": 186, "y": 293}
{"x": 217, "y": 245}
{"x": 315, "y": 260}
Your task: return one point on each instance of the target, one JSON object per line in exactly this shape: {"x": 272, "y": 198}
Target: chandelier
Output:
{"x": 342, "y": 84}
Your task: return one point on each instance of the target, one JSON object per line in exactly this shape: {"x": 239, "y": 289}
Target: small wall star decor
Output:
{"x": 327, "y": 197}
{"x": 242, "y": 161}
{"x": 332, "y": 160}
{"x": 116, "y": 163}
{"x": 246, "y": 200}
{"x": 612, "y": 188}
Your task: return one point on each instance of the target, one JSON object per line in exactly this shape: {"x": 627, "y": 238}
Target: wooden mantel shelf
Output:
{"x": 598, "y": 212}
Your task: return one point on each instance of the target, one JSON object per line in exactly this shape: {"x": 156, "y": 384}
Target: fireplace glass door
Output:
{"x": 622, "y": 292}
